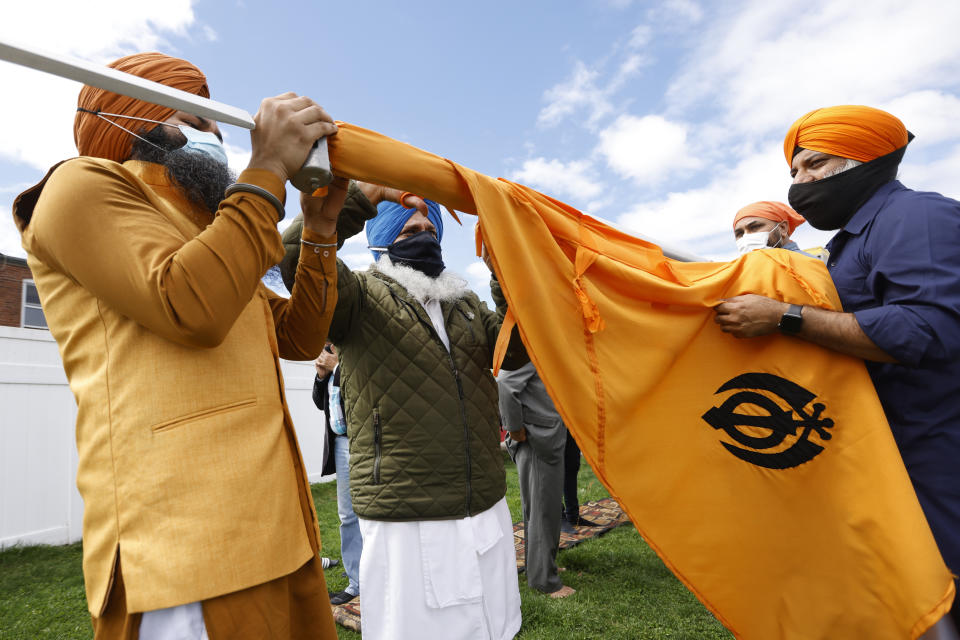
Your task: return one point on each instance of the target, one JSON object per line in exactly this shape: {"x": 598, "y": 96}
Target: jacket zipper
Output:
{"x": 376, "y": 445}
{"x": 463, "y": 409}
{"x": 466, "y": 433}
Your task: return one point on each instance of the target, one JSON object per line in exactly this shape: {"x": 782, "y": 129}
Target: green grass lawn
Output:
{"x": 623, "y": 590}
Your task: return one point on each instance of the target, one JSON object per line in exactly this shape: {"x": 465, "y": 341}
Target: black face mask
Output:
{"x": 421, "y": 251}
{"x": 829, "y": 203}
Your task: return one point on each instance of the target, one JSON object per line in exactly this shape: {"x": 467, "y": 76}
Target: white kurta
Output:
{"x": 183, "y": 622}
{"x": 450, "y": 579}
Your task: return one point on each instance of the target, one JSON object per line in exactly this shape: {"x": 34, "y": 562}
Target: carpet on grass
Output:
{"x": 348, "y": 615}
{"x": 606, "y": 513}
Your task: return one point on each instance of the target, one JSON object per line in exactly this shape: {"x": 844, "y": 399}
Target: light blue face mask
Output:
{"x": 204, "y": 142}
{"x": 200, "y": 141}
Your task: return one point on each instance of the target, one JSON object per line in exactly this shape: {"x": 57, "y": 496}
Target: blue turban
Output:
{"x": 383, "y": 229}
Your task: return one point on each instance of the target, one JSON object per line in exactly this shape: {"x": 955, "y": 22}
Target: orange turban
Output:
{"x": 849, "y": 131}
{"x": 97, "y": 137}
{"x": 776, "y": 211}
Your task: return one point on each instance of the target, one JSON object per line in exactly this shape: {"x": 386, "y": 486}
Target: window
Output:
{"x": 32, "y": 316}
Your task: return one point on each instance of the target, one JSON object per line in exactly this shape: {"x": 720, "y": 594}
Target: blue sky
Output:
{"x": 664, "y": 117}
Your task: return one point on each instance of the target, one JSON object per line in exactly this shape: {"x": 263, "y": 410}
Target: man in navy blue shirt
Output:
{"x": 895, "y": 260}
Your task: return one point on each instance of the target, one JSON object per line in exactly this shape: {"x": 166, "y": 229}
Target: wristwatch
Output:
{"x": 792, "y": 320}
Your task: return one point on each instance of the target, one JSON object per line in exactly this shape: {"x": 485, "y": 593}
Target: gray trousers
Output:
{"x": 540, "y": 467}
{"x": 524, "y": 402}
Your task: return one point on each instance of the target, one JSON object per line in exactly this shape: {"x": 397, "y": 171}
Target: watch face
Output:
{"x": 791, "y": 321}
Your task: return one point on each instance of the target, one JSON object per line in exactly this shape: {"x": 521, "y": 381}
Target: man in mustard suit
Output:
{"x": 198, "y": 517}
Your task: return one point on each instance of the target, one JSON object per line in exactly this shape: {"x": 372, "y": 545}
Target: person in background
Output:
{"x": 766, "y": 225}
{"x": 571, "y": 502}
{"x": 327, "y": 397}
{"x": 536, "y": 439}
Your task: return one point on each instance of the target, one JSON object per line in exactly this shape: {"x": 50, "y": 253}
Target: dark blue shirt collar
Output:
{"x": 866, "y": 213}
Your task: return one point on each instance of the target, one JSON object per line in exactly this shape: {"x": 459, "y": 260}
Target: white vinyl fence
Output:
{"x": 39, "y": 502}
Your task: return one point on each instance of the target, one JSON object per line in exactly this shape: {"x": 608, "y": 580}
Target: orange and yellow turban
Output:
{"x": 98, "y": 137}
{"x": 849, "y": 131}
{"x": 769, "y": 210}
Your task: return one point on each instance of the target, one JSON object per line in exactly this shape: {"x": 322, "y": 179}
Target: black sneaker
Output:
{"x": 341, "y": 597}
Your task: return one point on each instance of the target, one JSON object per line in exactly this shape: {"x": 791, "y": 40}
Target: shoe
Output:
{"x": 341, "y": 597}
{"x": 577, "y": 521}
{"x": 566, "y": 527}
{"x": 326, "y": 562}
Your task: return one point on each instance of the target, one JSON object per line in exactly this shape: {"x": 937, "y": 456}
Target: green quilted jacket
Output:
{"x": 423, "y": 422}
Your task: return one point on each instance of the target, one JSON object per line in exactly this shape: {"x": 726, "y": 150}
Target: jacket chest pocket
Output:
{"x": 471, "y": 330}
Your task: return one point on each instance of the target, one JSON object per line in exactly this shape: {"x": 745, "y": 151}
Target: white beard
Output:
{"x": 448, "y": 286}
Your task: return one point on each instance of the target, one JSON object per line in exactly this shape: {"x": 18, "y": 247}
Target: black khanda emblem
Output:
{"x": 779, "y": 422}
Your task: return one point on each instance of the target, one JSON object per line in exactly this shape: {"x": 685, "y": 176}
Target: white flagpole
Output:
{"x": 125, "y": 84}
{"x": 314, "y": 173}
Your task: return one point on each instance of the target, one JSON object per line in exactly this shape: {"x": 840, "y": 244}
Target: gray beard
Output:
{"x": 846, "y": 166}
{"x": 199, "y": 177}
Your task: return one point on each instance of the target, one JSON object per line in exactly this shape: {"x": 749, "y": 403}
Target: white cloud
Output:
{"x": 677, "y": 12}
{"x": 478, "y": 276}
{"x": 13, "y": 189}
{"x": 939, "y": 175}
{"x": 356, "y": 242}
{"x": 571, "y": 179}
{"x": 627, "y": 70}
{"x": 583, "y": 91}
{"x": 38, "y": 117}
{"x": 755, "y": 69}
{"x": 237, "y": 157}
{"x": 9, "y": 236}
{"x": 579, "y": 92}
{"x": 358, "y": 260}
{"x": 701, "y": 219}
{"x": 641, "y": 36}
{"x": 646, "y": 149}
{"x": 355, "y": 253}
{"x": 930, "y": 115}
{"x": 760, "y": 68}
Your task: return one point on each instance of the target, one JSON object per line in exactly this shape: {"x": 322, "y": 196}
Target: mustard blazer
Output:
{"x": 189, "y": 466}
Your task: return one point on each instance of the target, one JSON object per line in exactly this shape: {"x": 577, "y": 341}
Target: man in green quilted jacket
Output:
{"x": 426, "y": 470}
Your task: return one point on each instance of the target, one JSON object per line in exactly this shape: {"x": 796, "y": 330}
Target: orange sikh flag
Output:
{"x": 761, "y": 471}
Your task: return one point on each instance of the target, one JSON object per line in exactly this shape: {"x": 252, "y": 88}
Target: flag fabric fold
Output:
{"x": 762, "y": 471}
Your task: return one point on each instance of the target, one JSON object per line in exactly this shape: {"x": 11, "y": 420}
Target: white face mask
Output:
{"x": 759, "y": 240}
{"x": 752, "y": 241}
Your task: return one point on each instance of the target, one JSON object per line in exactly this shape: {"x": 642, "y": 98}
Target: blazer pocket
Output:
{"x": 203, "y": 413}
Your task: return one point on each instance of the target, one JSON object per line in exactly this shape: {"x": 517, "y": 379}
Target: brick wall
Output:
{"x": 13, "y": 271}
